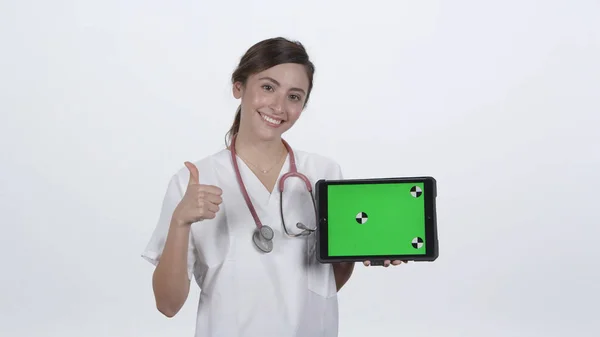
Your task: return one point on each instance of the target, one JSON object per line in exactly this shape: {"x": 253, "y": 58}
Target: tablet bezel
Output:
{"x": 431, "y": 237}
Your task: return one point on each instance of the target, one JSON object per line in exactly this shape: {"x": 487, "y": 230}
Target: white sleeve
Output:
{"x": 156, "y": 244}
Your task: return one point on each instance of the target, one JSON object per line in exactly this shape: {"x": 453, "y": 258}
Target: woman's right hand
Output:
{"x": 199, "y": 201}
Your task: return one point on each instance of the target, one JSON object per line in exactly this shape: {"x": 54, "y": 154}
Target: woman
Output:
{"x": 250, "y": 285}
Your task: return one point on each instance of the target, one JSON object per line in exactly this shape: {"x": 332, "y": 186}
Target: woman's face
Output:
{"x": 272, "y": 100}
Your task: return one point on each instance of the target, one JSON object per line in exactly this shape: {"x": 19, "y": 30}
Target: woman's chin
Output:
{"x": 267, "y": 133}
{"x": 269, "y": 136}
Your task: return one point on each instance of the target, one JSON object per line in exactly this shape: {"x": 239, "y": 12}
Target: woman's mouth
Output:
{"x": 270, "y": 120}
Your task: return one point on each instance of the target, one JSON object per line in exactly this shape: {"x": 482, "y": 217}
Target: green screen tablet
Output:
{"x": 377, "y": 219}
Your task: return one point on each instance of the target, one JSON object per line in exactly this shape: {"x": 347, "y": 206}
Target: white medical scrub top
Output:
{"x": 244, "y": 292}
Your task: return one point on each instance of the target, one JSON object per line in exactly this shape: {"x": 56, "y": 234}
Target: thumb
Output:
{"x": 194, "y": 175}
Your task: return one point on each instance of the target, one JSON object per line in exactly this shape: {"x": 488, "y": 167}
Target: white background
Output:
{"x": 101, "y": 102}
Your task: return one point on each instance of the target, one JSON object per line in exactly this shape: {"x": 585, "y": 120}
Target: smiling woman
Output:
{"x": 224, "y": 224}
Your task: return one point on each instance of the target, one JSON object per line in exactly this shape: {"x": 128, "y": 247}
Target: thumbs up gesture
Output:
{"x": 199, "y": 201}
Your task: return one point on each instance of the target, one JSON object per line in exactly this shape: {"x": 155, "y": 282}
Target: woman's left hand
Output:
{"x": 387, "y": 263}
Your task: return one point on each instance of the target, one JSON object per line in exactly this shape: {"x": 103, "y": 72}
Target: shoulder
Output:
{"x": 318, "y": 164}
{"x": 313, "y": 158}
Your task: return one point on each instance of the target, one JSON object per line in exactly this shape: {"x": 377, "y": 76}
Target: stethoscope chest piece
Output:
{"x": 263, "y": 238}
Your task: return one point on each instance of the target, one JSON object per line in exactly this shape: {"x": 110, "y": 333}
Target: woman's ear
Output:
{"x": 237, "y": 89}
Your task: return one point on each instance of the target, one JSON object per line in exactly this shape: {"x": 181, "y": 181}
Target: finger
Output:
{"x": 208, "y": 193}
{"x": 396, "y": 262}
{"x": 210, "y": 207}
{"x": 211, "y": 189}
{"x": 204, "y": 196}
{"x": 386, "y": 263}
{"x": 212, "y": 198}
{"x": 367, "y": 263}
{"x": 209, "y": 215}
{"x": 194, "y": 175}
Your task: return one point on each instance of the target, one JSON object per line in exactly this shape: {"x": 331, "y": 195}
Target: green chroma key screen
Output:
{"x": 376, "y": 219}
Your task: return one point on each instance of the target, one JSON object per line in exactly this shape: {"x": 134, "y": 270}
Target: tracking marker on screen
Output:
{"x": 417, "y": 243}
{"x": 362, "y": 218}
{"x": 416, "y": 191}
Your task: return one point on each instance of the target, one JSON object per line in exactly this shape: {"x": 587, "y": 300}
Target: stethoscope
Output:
{"x": 263, "y": 235}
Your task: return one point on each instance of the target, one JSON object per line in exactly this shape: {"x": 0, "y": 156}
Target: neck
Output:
{"x": 259, "y": 152}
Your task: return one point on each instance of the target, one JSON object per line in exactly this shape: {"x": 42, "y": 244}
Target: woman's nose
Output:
{"x": 277, "y": 105}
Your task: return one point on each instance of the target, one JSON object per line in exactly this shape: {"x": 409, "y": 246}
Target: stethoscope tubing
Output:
{"x": 293, "y": 172}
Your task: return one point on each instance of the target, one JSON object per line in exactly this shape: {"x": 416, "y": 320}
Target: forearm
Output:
{"x": 342, "y": 272}
{"x": 170, "y": 281}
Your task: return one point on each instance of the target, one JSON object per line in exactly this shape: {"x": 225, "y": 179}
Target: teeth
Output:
{"x": 271, "y": 120}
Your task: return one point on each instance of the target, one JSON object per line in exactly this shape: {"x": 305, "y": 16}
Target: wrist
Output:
{"x": 177, "y": 223}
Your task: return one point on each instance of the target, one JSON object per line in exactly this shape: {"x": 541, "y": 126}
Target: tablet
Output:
{"x": 376, "y": 220}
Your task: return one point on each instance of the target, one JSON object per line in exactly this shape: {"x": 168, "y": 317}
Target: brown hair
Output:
{"x": 264, "y": 55}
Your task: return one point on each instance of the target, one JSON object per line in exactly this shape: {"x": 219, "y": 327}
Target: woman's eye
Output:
{"x": 294, "y": 97}
{"x": 267, "y": 87}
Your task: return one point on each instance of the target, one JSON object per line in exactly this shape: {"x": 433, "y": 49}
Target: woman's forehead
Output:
{"x": 285, "y": 75}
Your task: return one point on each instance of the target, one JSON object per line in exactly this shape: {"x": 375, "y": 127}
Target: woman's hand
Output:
{"x": 387, "y": 263}
{"x": 199, "y": 202}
